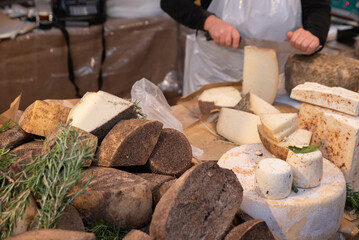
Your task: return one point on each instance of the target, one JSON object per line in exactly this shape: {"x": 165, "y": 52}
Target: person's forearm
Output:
{"x": 186, "y": 12}
{"x": 316, "y": 18}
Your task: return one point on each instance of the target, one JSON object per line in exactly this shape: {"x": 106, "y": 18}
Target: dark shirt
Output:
{"x": 315, "y": 15}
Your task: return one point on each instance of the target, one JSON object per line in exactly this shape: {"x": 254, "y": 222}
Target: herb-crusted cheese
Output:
{"x": 339, "y": 134}
{"x": 313, "y": 213}
{"x": 336, "y": 98}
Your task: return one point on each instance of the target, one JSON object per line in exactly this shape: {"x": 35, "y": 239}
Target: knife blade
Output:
{"x": 277, "y": 46}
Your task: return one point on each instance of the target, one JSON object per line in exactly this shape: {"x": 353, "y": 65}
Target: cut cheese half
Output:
{"x": 260, "y": 73}
{"x": 238, "y": 126}
{"x": 279, "y": 126}
{"x": 98, "y": 112}
{"x": 336, "y": 98}
{"x": 217, "y": 98}
{"x": 299, "y": 137}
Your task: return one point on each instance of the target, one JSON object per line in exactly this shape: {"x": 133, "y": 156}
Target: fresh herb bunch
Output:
{"x": 140, "y": 114}
{"x": 7, "y": 125}
{"x": 105, "y": 231}
{"x": 352, "y": 200}
{"x": 306, "y": 149}
{"x": 50, "y": 178}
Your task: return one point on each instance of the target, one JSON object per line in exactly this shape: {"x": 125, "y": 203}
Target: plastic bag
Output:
{"x": 154, "y": 104}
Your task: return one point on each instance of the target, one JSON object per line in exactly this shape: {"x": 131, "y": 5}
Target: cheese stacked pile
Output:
{"x": 332, "y": 114}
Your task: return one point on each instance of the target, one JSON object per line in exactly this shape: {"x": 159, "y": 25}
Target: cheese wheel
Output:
{"x": 307, "y": 168}
{"x": 273, "y": 178}
{"x": 313, "y": 213}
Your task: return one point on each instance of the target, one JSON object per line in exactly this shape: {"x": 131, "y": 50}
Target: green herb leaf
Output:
{"x": 352, "y": 199}
{"x": 306, "y": 149}
{"x": 294, "y": 188}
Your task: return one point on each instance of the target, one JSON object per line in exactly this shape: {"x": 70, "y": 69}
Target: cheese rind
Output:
{"x": 311, "y": 214}
{"x": 273, "y": 178}
{"x": 260, "y": 72}
{"x": 238, "y": 126}
{"x": 307, "y": 168}
{"x": 335, "y": 98}
{"x": 339, "y": 134}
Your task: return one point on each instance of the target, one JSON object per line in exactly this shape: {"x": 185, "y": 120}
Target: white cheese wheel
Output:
{"x": 273, "y": 178}
{"x": 313, "y": 213}
{"x": 260, "y": 72}
{"x": 307, "y": 168}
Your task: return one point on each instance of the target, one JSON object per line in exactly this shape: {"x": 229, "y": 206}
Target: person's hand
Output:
{"x": 303, "y": 40}
{"x": 223, "y": 33}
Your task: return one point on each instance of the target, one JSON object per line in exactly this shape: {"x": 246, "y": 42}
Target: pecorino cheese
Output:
{"x": 336, "y": 98}
{"x": 307, "y": 168}
{"x": 273, "y": 178}
{"x": 339, "y": 134}
{"x": 238, "y": 126}
{"x": 217, "y": 98}
{"x": 279, "y": 125}
{"x": 313, "y": 213}
{"x": 254, "y": 104}
{"x": 98, "y": 112}
{"x": 260, "y": 73}
{"x": 299, "y": 137}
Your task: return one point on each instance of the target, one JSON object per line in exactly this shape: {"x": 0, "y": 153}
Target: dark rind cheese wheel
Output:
{"x": 14, "y": 137}
{"x": 129, "y": 143}
{"x": 172, "y": 154}
{"x": 250, "y": 230}
{"x": 201, "y": 204}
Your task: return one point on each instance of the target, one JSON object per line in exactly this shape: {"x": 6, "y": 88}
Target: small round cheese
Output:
{"x": 307, "y": 168}
{"x": 273, "y": 178}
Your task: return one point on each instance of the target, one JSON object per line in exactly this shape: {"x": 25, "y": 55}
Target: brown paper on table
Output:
{"x": 201, "y": 130}
{"x": 12, "y": 112}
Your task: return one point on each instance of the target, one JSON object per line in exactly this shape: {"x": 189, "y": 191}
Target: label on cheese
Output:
{"x": 336, "y": 98}
{"x": 311, "y": 214}
{"x": 260, "y": 73}
{"x": 238, "y": 126}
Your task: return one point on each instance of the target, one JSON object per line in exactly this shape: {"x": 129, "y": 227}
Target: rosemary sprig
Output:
{"x": 105, "y": 231}
{"x": 140, "y": 114}
{"x": 50, "y": 178}
{"x": 352, "y": 199}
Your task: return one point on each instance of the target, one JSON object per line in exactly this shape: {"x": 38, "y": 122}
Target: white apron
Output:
{"x": 206, "y": 62}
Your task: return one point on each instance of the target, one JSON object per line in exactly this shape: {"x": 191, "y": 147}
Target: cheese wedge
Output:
{"x": 312, "y": 214}
{"x": 278, "y": 126}
{"x": 299, "y": 138}
{"x": 254, "y": 104}
{"x": 217, "y": 98}
{"x": 238, "y": 126}
{"x": 339, "y": 134}
{"x": 98, "y": 112}
{"x": 336, "y": 98}
{"x": 260, "y": 73}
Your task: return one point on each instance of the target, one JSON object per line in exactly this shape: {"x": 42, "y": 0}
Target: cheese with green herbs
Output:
{"x": 310, "y": 214}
